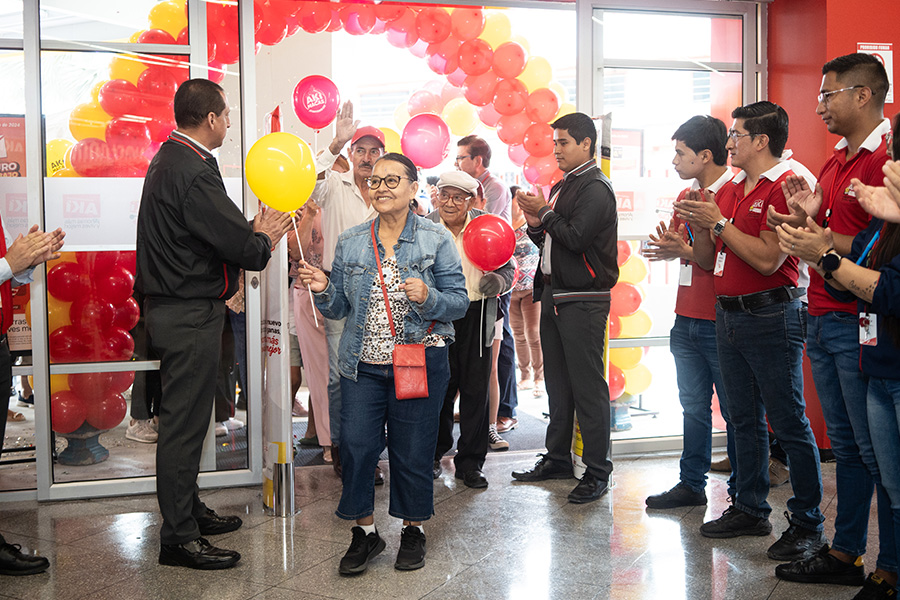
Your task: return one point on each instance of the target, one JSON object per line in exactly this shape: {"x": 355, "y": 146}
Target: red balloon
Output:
{"x": 314, "y": 17}
{"x": 273, "y": 28}
{"x": 489, "y": 242}
{"x": 127, "y": 259}
{"x": 443, "y": 57}
{"x": 390, "y": 12}
{"x": 510, "y": 96}
{"x": 68, "y": 281}
{"x": 90, "y": 385}
{"x": 517, "y": 154}
{"x": 433, "y": 25}
{"x": 67, "y": 411}
{"x": 401, "y": 32}
{"x": 127, "y": 315}
{"x": 66, "y": 345}
{"x": 625, "y": 299}
{"x": 509, "y": 60}
{"x": 511, "y": 128}
{"x": 538, "y": 139}
{"x": 335, "y": 24}
{"x": 120, "y": 97}
{"x": 183, "y": 39}
{"x": 116, "y": 287}
{"x": 106, "y": 412}
{"x": 157, "y": 86}
{"x": 316, "y": 101}
{"x": 616, "y": 382}
{"x": 615, "y": 327}
{"x": 91, "y": 314}
{"x": 215, "y": 71}
{"x": 97, "y": 264}
{"x": 156, "y": 36}
{"x": 466, "y": 23}
{"x": 293, "y": 25}
{"x": 160, "y": 130}
{"x": 488, "y": 115}
{"x": 423, "y": 101}
{"x": 116, "y": 344}
{"x": 358, "y": 19}
{"x": 120, "y": 381}
{"x": 379, "y": 27}
{"x": 479, "y": 89}
{"x": 128, "y": 133}
{"x": 539, "y": 170}
{"x": 542, "y": 105}
{"x": 91, "y": 158}
{"x": 426, "y": 140}
{"x": 623, "y": 250}
{"x": 227, "y": 48}
{"x": 475, "y": 57}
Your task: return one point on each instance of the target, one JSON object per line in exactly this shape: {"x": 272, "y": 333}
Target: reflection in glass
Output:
{"x": 145, "y": 21}
{"x": 643, "y": 36}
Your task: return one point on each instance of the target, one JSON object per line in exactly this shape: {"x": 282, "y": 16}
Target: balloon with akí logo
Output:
{"x": 316, "y": 101}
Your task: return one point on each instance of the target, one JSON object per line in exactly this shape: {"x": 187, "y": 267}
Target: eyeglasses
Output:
{"x": 824, "y": 97}
{"x": 457, "y": 199}
{"x": 463, "y": 157}
{"x": 391, "y": 181}
{"x": 734, "y": 135}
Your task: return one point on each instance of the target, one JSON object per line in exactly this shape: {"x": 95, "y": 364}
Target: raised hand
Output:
{"x": 667, "y": 244}
{"x": 531, "y": 205}
{"x": 344, "y": 126}
{"x": 273, "y": 223}
{"x": 33, "y": 248}
{"x": 878, "y": 201}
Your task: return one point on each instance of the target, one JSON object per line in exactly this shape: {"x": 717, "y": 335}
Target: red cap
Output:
{"x": 368, "y": 130}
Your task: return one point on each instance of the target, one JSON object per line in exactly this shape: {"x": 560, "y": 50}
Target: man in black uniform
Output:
{"x": 191, "y": 242}
{"x": 576, "y": 233}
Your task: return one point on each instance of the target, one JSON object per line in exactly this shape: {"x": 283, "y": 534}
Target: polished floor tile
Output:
{"x": 512, "y": 540}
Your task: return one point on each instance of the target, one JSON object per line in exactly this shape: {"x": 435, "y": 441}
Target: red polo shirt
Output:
{"x": 698, "y": 300}
{"x": 748, "y": 214}
{"x": 840, "y": 207}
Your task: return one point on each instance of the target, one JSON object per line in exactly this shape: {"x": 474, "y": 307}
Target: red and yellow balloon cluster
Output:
{"x": 90, "y": 308}
{"x": 627, "y": 376}
{"x": 95, "y": 398}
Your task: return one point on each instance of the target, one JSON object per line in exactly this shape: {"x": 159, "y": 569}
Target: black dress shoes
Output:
{"x": 379, "y": 476}
{"x": 14, "y": 562}
{"x": 589, "y": 489}
{"x": 197, "y": 554}
{"x": 474, "y": 479}
{"x": 545, "y": 469}
{"x": 213, "y": 524}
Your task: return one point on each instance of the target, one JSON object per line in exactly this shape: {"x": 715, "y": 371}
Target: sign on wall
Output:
{"x": 884, "y": 53}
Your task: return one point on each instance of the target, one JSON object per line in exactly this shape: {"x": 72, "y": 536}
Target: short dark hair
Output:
{"x": 765, "y": 118}
{"x": 408, "y": 165}
{"x": 195, "y": 99}
{"x": 863, "y": 70}
{"x": 579, "y": 126}
{"x": 477, "y": 147}
{"x": 704, "y": 132}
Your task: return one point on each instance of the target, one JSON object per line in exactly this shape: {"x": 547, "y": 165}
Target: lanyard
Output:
{"x": 836, "y": 189}
{"x": 869, "y": 248}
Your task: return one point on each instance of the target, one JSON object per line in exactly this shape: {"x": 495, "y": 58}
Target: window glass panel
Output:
{"x": 147, "y": 21}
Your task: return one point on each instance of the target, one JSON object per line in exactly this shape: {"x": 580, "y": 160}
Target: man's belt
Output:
{"x": 760, "y": 299}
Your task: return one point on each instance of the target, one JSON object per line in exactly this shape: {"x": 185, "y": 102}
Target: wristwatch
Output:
{"x": 830, "y": 262}
{"x": 719, "y": 227}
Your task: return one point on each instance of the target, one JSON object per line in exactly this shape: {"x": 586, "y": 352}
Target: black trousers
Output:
{"x": 187, "y": 335}
{"x": 470, "y": 372}
{"x": 5, "y": 384}
{"x": 572, "y": 342}
{"x": 506, "y": 363}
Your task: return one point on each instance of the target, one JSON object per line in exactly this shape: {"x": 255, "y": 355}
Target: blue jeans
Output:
{"x": 693, "y": 344}
{"x": 333, "y": 330}
{"x": 760, "y": 355}
{"x": 412, "y": 426}
{"x": 883, "y": 405}
{"x": 833, "y": 352}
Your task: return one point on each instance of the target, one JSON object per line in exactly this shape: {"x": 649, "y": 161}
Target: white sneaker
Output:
{"x": 221, "y": 429}
{"x": 496, "y": 442}
{"x": 141, "y": 431}
{"x": 232, "y": 424}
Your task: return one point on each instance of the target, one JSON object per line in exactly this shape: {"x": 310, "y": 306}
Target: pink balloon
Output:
{"x": 517, "y": 154}
{"x": 510, "y": 96}
{"x": 475, "y": 57}
{"x": 489, "y": 242}
{"x": 443, "y": 57}
{"x": 511, "y": 128}
{"x": 625, "y": 299}
{"x": 426, "y": 140}
{"x": 540, "y": 169}
{"x": 489, "y": 115}
{"x": 509, "y": 59}
{"x": 423, "y": 101}
{"x": 457, "y": 77}
{"x": 538, "y": 139}
{"x": 316, "y": 101}
{"x": 419, "y": 49}
{"x": 479, "y": 89}
{"x": 357, "y": 20}
{"x": 401, "y": 32}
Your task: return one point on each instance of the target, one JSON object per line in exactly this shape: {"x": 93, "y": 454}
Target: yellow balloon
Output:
{"x": 134, "y": 37}
{"x": 57, "y": 313}
{"x": 88, "y": 121}
{"x": 560, "y": 90}
{"x": 56, "y": 155}
{"x": 637, "y": 380}
{"x": 566, "y": 108}
{"x": 522, "y": 42}
{"x": 66, "y": 173}
{"x": 169, "y": 17}
{"x": 391, "y": 140}
{"x": 127, "y": 67}
{"x": 537, "y": 73}
{"x": 625, "y": 358}
{"x": 636, "y": 325}
{"x": 281, "y": 171}
{"x": 95, "y": 91}
{"x": 496, "y": 29}
{"x": 460, "y": 117}
{"x": 59, "y": 383}
{"x": 401, "y": 116}
{"x": 634, "y": 270}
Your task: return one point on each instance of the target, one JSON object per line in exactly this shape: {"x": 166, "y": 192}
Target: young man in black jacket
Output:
{"x": 576, "y": 233}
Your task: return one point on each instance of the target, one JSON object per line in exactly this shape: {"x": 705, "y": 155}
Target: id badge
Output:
{"x": 684, "y": 276}
{"x": 868, "y": 329}
{"x": 720, "y": 264}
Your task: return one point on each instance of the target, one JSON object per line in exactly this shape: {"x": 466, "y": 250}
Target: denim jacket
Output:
{"x": 424, "y": 251}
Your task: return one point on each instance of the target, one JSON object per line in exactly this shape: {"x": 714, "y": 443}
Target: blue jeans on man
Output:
{"x": 883, "y": 409}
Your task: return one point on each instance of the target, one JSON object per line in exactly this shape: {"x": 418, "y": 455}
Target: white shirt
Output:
{"x": 342, "y": 204}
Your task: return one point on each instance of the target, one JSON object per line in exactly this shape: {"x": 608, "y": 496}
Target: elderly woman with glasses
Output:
{"x": 424, "y": 291}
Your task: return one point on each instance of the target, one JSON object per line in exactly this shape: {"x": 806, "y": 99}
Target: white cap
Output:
{"x": 458, "y": 179}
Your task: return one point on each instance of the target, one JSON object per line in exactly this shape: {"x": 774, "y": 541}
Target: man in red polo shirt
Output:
{"x": 700, "y": 155}
{"x": 851, "y": 102}
{"x": 760, "y": 332}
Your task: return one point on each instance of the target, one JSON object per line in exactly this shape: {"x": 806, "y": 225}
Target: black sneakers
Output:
{"x": 734, "y": 523}
{"x": 411, "y": 555}
{"x": 362, "y": 548}
{"x": 796, "y": 543}
{"x": 822, "y": 567}
{"x": 680, "y": 495}
{"x": 876, "y": 588}
{"x": 15, "y": 562}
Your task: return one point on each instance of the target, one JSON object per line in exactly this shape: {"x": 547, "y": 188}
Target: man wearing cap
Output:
{"x": 470, "y": 353}
{"x": 344, "y": 199}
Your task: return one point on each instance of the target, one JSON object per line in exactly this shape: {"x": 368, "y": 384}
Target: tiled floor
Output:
{"x": 509, "y": 541}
